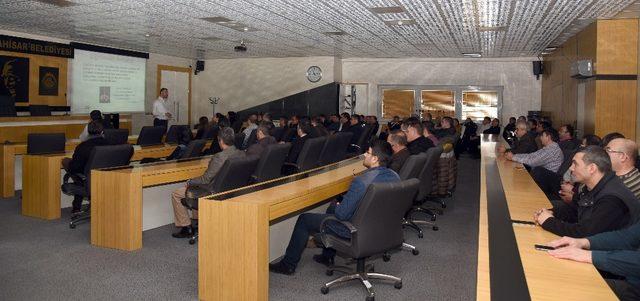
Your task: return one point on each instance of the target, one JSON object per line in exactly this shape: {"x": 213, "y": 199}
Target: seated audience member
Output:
{"x": 356, "y": 128}
{"x": 590, "y": 139}
{"x": 182, "y": 220}
{"x": 470, "y": 140}
{"x": 428, "y": 118}
{"x": 345, "y": 122}
{"x": 567, "y": 142}
{"x": 509, "y": 129}
{"x": 533, "y": 126}
{"x": 615, "y": 252}
{"x": 485, "y": 125}
{"x": 394, "y": 124}
{"x": 427, "y": 131}
{"x": 446, "y": 131}
{"x": 95, "y": 115}
{"x": 184, "y": 137}
{"x": 80, "y": 157}
{"x": 292, "y": 132}
{"x": 457, "y": 127}
{"x": 542, "y": 125}
{"x": 375, "y": 159}
{"x": 202, "y": 127}
{"x": 264, "y": 139}
{"x": 494, "y": 127}
{"x": 416, "y": 142}
{"x": 604, "y": 204}
{"x": 523, "y": 142}
{"x": 266, "y": 117}
{"x": 608, "y": 137}
{"x": 319, "y": 128}
{"x": 303, "y": 130}
{"x": 373, "y": 122}
{"x": 549, "y": 156}
{"x": 252, "y": 124}
{"x": 522, "y": 118}
{"x": 334, "y": 123}
{"x": 398, "y": 142}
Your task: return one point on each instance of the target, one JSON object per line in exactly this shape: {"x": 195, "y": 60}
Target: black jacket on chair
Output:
{"x": 82, "y": 152}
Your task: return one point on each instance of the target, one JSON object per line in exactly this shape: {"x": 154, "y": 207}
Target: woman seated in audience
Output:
{"x": 494, "y": 127}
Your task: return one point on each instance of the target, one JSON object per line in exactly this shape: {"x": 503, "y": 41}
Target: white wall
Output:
{"x": 247, "y": 82}
{"x": 521, "y": 90}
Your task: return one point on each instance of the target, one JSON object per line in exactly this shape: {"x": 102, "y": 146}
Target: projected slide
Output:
{"x": 107, "y": 82}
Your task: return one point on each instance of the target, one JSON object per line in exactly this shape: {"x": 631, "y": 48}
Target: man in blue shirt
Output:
{"x": 616, "y": 252}
{"x": 376, "y": 160}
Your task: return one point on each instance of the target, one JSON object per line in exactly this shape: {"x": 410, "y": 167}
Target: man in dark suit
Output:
{"x": 334, "y": 123}
{"x": 398, "y": 142}
{"x": 356, "y": 128}
{"x": 524, "y": 143}
{"x": 226, "y": 138}
{"x": 81, "y": 154}
{"x": 264, "y": 139}
{"x": 303, "y": 131}
{"x": 417, "y": 143}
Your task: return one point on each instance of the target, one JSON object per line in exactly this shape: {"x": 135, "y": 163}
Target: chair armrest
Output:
{"x": 349, "y": 225}
{"x": 356, "y": 146}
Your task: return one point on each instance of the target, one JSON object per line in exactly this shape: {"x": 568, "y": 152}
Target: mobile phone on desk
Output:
{"x": 543, "y": 248}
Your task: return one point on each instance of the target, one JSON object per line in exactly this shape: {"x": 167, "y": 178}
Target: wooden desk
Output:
{"x": 8, "y": 153}
{"x": 547, "y": 278}
{"x": 233, "y": 247}
{"x": 41, "y": 180}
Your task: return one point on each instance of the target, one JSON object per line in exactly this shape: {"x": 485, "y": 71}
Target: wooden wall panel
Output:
{"x": 590, "y": 107}
{"x": 35, "y": 62}
{"x": 617, "y": 46}
{"x": 586, "y": 43}
{"x": 615, "y": 107}
{"x": 559, "y": 90}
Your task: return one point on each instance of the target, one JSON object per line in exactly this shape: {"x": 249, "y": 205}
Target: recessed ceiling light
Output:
{"x": 147, "y": 35}
{"x": 246, "y": 29}
{"x": 472, "y": 54}
{"x": 400, "y": 22}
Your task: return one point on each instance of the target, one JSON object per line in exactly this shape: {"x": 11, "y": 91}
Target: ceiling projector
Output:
{"x": 240, "y": 48}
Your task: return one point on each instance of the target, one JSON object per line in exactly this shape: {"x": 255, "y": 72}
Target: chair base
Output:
{"x": 78, "y": 219}
{"x": 363, "y": 277}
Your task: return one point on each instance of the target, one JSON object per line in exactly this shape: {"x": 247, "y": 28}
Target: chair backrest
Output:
{"x": 426, "y": 175}
{"x": 343, "y": 140}
{"x": 328, "y": 150}
{"x": 151, "y": 135}
{"x": 234, "y": 173}
{"x": 194, "y": 149}
{"x": 105, "y": 156}
{"x": 116, "y": 136}
{"x": 310, "y": 153}
{"x": 413, "y": 166}
{"x": 239, "y": 140}
{"x": 363, "y": 140}
{"x": 271, "y": 161}
{"x": 378, "y": 219}
{"x": 40, "y": 110}
{"x": 211, "y": 133}
{"x": 45, "y": 143}
{"x": 173, "y": 135}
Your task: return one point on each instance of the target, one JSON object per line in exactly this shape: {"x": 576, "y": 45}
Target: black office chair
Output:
{"x": 194, "y": 149}
{"x": 362, "y": 143}
{"x": 45, "y": 143}
{"x": 116, "y": 136}
{"x": 426, "y": 185}
{"x": 100, "y": 157}
{"x": 40, "y": 110}
{"x": 332, "y": 151}
{"x": 411, "y": 170}
{"x": 308, "y": 157}
{"x": 234, "y": 173}
{"x": 211, "y": 133}
{"x": 7, "y": 106}
{"x": 151, "y": 135}
{"x": 239, "y": 140}
{"x": 277, "y": 133}
{"x": 271, "y": 161}
{"x": 173, "y": 135}
{"x": 376, "y": 228}
{"x": 343, "y": 141}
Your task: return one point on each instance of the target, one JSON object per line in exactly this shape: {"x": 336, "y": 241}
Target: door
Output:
{"x": 178, "y": 84}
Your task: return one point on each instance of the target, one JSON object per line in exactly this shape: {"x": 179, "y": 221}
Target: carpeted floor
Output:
{"x": 45, "y": 260}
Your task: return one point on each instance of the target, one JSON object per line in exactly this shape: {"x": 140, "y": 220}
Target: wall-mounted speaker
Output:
{"x": 538, "y": 69}
{"x": 199, "y": 66}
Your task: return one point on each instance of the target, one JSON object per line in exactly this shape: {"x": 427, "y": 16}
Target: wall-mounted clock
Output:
{"x": 314, "y": 74}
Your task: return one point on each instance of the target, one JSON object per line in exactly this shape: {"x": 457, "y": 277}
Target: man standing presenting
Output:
{"x": 161, "y": 114}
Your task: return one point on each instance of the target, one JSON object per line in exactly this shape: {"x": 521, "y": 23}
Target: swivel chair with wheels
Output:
{"x": 376, "y": 228}
{"x": 426, "y": 185}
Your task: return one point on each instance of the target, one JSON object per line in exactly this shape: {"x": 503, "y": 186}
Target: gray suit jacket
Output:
{"x": 214, "y": 166}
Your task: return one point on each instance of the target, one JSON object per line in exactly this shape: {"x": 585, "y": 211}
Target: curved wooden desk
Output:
{"x": 545, "y": 277}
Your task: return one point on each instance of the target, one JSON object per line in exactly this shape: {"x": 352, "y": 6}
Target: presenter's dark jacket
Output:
{"x": 347, "y": 207}
{"x": 256, "y": 149}
{"x": 82, "y": 152}
{"x": 398, "y": 159}
{"x": 296, "y": 148}
{"x": 524, "y": 145}
{"x": 206, "y": 180}
{"x": 609, "y": 206}
{"x": 420, "y": 144}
